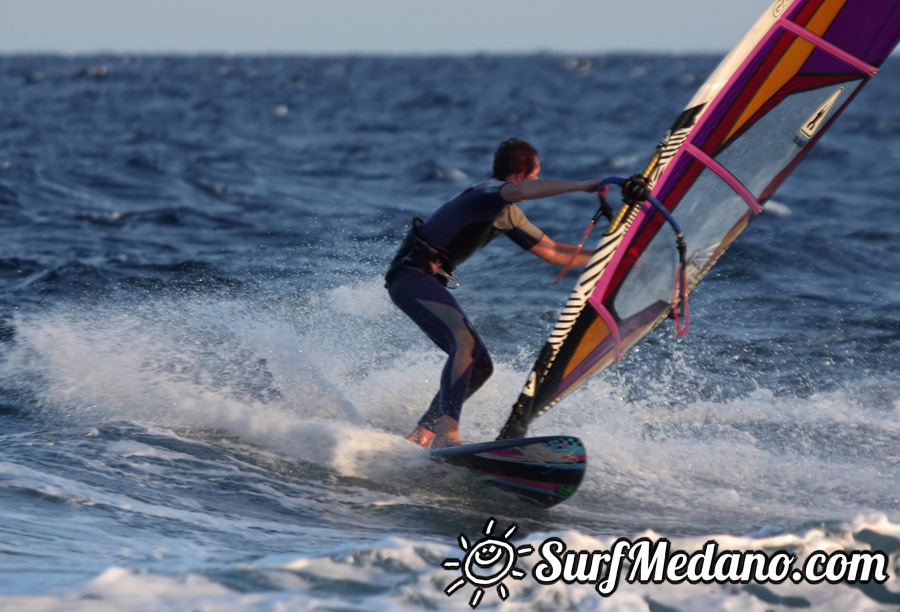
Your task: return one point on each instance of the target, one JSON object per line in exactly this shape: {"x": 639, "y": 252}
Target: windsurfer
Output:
{"x": 423, "y": 266}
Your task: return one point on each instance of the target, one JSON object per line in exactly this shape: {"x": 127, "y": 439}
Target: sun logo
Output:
{"x": 487, "y": 563}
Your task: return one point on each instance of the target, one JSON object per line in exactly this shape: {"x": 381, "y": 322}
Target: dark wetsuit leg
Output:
{"x": 436, "y": 312}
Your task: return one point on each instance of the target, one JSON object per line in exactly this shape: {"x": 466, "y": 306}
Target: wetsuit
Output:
{"x": 421, "y": 269}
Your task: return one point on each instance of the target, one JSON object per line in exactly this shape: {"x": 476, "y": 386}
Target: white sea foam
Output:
{"x": 186, "y": 364}
{"x": 397, "y": 573}
{"x": 761, "y": 465}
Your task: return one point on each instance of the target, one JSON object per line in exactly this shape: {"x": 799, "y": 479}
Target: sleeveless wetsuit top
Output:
{"x": 458, "y": 229}
{"x": 472, "y": 219}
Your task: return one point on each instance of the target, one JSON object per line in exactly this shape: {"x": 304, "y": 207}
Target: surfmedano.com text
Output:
{"x": 645, "y": 561}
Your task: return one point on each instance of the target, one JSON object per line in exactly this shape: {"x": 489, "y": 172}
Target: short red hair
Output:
{"x": 513, "y": 156}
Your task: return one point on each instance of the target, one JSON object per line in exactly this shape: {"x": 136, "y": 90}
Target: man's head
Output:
{"x": 515, "y": 161}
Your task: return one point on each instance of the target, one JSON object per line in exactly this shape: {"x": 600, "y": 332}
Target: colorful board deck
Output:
{"x": 543, "y": 471}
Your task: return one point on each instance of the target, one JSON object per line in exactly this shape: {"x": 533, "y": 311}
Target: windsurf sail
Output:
{"x": 759, "y": 114}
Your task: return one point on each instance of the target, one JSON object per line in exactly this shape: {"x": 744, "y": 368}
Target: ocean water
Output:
{"x": 204, "y": 388}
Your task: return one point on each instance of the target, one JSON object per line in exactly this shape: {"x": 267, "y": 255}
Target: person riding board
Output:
{"x": 423, "y": 266}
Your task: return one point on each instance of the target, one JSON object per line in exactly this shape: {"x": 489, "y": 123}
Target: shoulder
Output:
{"x": 511, "y": 216}
{"x": 516, "y": 225}
{"x": 506, "y": 192}
{"x": 489, "y": 187}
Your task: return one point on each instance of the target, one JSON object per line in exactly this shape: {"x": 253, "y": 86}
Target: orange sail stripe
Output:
{"x": 789, "y": 65}
{"x": 824, "y": 17}
{"x": 595, "y": 334}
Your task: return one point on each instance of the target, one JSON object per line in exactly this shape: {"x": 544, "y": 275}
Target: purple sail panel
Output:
{"x": 866, "y": 29}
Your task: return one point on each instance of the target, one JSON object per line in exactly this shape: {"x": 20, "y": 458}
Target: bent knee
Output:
{"x": 482, "y": 367}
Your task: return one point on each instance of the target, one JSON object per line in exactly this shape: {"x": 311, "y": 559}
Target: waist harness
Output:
{"x": 416, "y": 254}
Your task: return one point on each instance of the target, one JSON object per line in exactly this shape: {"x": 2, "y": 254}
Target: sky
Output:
{"x": 328, "y": 27}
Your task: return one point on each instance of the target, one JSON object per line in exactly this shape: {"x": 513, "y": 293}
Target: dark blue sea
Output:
{"x": 204, "y": 387}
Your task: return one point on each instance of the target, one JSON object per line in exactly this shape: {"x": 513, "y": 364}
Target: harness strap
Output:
{"x": 416, "y": 254}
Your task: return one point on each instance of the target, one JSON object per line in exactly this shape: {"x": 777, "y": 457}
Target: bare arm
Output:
{"x": 544, "y": 188}
{"x": 559, "y": 253}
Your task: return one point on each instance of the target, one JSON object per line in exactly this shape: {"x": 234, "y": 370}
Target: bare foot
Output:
{"x": 421, "y": 436}
{"x": 447, "y": 433}
{"x": 442, "y": 442}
